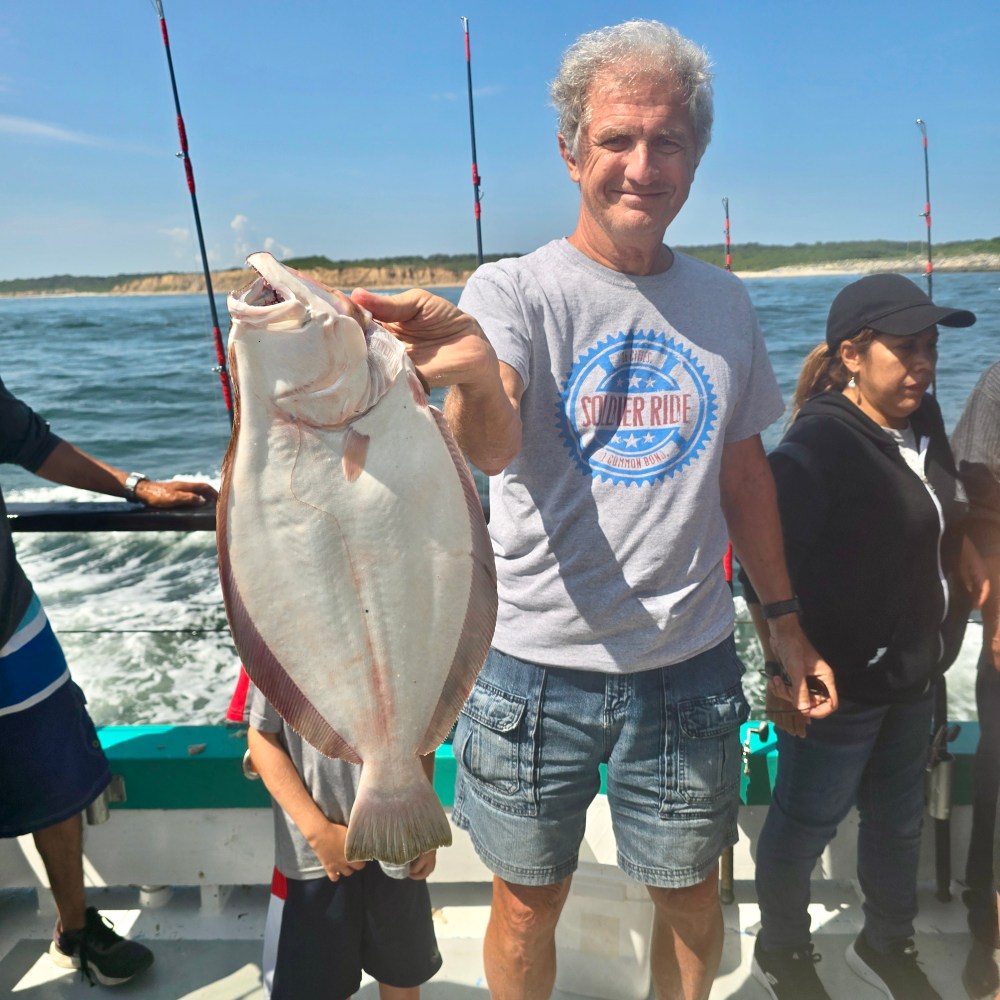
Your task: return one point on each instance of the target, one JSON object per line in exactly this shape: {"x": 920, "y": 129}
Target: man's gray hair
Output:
{"x": 628, "y": 52}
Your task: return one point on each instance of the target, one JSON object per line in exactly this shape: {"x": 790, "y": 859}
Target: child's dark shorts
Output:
{"x": 331, "y": 932}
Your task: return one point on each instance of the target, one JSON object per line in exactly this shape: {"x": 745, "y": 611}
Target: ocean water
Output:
{"x": 130, "y": 380}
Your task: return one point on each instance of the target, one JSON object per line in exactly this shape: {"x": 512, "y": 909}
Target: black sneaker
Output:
{"x": 896, "y": 973}
{"x": 788, "y": 973}
{"x": 981, "y": 976}
{"x": 99, "y": 953}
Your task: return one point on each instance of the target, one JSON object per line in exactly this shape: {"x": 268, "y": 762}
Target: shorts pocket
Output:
{"x": 708, "y": 749}
{"x": 488, "y": 742}
{"x": 89, "y": 741}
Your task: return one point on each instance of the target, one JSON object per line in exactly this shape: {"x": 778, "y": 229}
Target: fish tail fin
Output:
{"x": 398, "y": 818}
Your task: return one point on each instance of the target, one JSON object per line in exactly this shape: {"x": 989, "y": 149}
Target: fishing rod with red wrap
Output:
{"x": 729, "y": 257}
{"x": 940, "y": 763}
{"x": 926, "y": 213}
{"x": 220, "y": 351}
{"x": 727, "y": 892}
{"x": 727, "y": 561}
{"x": 476, "y": 179}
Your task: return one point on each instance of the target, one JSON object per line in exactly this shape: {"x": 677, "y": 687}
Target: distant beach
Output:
{"x": 908, "y": 265}
{"x": 399, "y": 278}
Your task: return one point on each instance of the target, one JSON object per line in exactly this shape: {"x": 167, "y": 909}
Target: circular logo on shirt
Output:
{"x": 636, "y": 408}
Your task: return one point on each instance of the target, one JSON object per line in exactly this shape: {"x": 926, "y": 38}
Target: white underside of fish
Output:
{"x": 361, "y": 592}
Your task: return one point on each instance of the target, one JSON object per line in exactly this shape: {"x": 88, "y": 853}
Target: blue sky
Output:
{"x": 342, "y": 128}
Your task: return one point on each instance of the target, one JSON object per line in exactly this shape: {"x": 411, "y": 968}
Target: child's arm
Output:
{"x": 421, "y": 867}
{"x": 281, "y": 779}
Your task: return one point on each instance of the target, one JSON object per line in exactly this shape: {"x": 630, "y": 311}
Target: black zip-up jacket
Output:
{"x": 865, "y": 547}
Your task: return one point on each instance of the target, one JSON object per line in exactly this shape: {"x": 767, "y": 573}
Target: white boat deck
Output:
{"x": 206, "y": 934}
{"x": 216, "y": 956}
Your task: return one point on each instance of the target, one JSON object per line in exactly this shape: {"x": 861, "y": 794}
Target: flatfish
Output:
{"x": 356, "y": 567}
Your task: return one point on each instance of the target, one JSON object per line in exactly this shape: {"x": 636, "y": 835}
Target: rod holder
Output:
{"x": 939, "y": 781}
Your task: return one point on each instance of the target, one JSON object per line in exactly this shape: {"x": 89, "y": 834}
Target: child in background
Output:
{"x": 339, "y": 918}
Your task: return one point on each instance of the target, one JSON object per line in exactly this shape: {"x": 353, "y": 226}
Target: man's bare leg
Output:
{"x": 61, "y": 849}
{"x": 398, "y": 992}
{"x": 686, "y": 947}
{"x": 519, "y": 951}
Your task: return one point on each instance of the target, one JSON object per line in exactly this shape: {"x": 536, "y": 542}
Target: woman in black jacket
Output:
{"x": 871, "y": 512}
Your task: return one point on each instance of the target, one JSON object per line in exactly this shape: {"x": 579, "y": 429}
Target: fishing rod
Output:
{"x": 727, "y": 892}
{"x": 926, "y": 213}
{"x": 729, "y": 258}
{"x": 472, "y": 131}
{"x": 727, "y": 561}
{"x": 220, "y": 352}
{"x": 940, "y": 762}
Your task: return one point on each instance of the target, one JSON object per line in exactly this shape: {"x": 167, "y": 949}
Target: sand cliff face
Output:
{"x": 396, "y": 278}
{"x": 429, "y": 277}
{"x": 347, "y": 278}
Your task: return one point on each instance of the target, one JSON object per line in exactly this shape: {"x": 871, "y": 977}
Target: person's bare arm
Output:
{"x": 991, "y": 608}
{"x": 285, "y": 785}
{"x": 749, "y": 503}
{"x": 448, "y": 348}
{"x": 70, "y": 466}
{"x": 487, "y": 429}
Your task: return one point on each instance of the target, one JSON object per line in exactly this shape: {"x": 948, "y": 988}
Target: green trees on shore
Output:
{"x": 746, "y": 257}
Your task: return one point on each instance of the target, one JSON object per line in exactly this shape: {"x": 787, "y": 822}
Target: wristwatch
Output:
{"x": 132, "y": 480}
{"x": 779, "y": 608}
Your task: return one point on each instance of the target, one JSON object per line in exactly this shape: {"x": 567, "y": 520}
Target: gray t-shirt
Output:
{"x": 332, "y": 784}
{"x": 976, "y": 444}
{"x": 607, "y": 527}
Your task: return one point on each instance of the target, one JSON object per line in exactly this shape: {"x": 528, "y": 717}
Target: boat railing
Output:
{"x": 177, "y": 770}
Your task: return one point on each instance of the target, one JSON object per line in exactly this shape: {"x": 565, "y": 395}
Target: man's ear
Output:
{"x": 568, "y": 159}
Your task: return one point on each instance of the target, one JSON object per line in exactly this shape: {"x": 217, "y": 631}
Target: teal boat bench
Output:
{"x": 199, "y": 767}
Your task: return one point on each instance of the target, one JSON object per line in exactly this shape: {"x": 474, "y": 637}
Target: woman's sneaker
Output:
{"x": 788, "y": 973}
{"x": 896, "y": 973}
{"x": 99, "y": 953}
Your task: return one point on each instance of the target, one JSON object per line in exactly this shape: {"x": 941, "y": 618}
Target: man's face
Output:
{"x": 636, "y": 162}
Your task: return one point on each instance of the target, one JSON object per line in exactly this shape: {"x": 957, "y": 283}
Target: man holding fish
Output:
{"x": 615, "y": 390}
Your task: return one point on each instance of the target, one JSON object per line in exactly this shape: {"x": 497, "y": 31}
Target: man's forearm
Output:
{"x": 750, "y": 507}
{"x": 69, "y": 466}
{"x": 485, "y": 419}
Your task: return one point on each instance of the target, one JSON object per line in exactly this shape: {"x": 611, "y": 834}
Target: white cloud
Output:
{"x": 248, "y": 240}
{"x": 276, "y": 249}
{"x": 241, "y": 228}
{"x": 40, "y": 130}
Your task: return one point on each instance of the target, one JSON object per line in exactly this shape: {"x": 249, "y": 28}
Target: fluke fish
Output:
{"x": 356, "y": 567}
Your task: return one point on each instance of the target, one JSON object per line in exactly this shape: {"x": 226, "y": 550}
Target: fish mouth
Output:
{"x": 259, "y": 292}
{"x": 267, "y": 295}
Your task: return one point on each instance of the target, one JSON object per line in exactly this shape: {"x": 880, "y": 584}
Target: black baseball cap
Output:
{"x": 888, "y": 303}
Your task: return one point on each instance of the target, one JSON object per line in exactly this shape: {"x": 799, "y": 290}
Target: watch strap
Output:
{"x": 778, "y": 608}
{"x": 132, "y": 480}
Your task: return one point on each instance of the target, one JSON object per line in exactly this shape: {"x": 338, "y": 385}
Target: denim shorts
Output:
{"x": 529, "y": 742}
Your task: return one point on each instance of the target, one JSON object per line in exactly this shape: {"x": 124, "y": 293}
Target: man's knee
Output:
{"x": 702, "y": 897}
{"x": 528, "y": 910}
